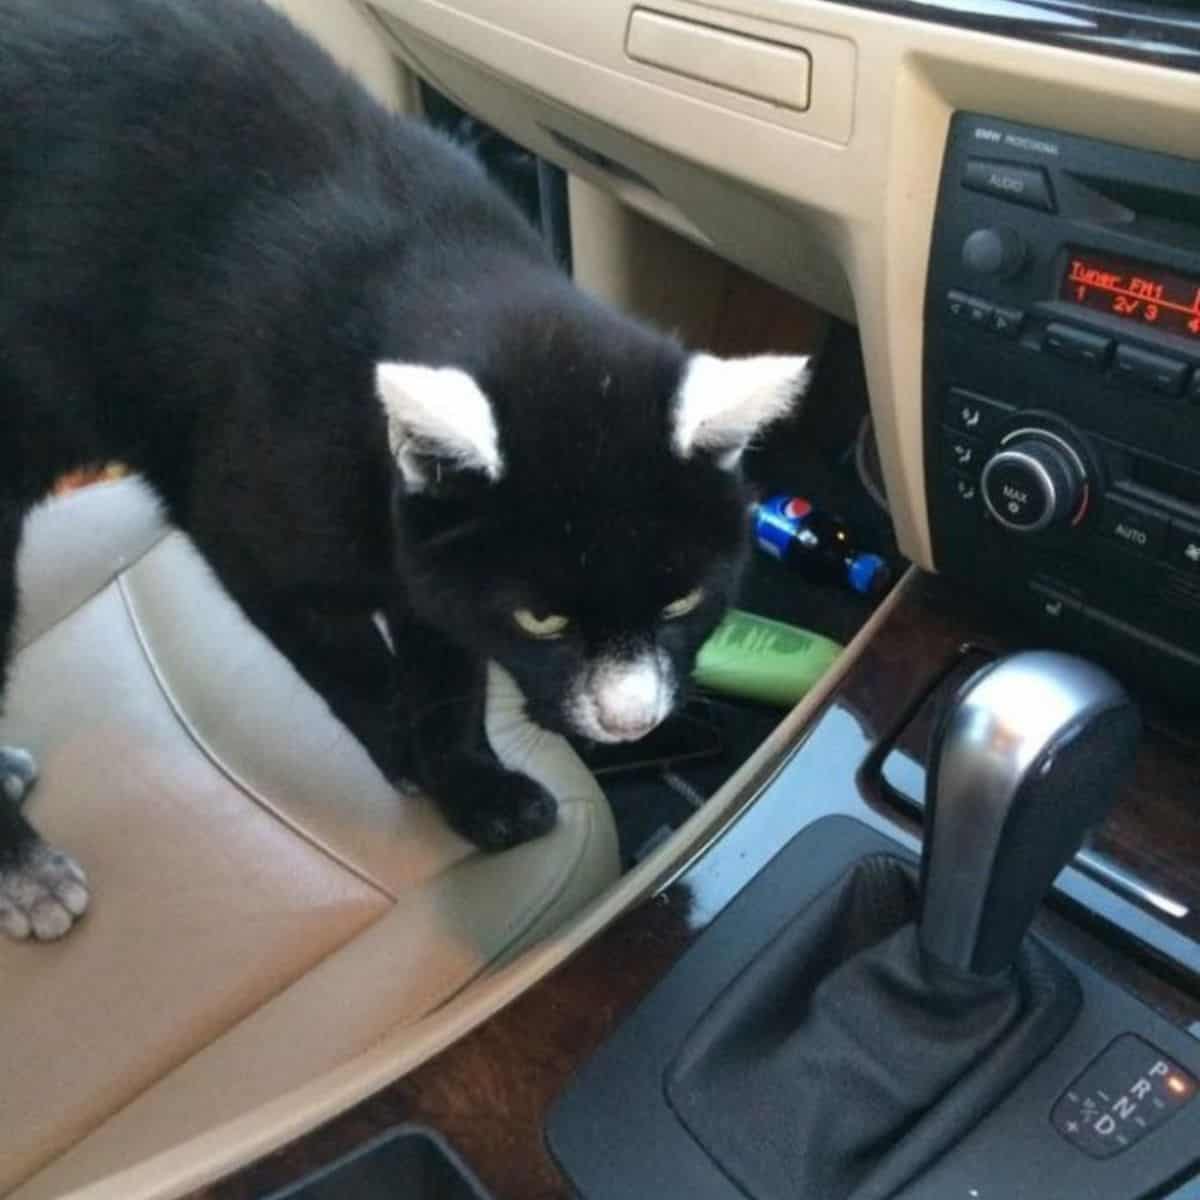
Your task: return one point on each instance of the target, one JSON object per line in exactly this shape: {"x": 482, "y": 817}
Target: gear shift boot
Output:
{"x": 859, "y": 1058}
{"x": 617, "y": 1133}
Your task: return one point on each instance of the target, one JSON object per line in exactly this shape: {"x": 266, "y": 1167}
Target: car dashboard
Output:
{"x": 1000, "y": 197}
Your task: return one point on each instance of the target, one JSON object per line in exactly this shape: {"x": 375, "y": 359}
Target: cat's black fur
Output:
{"x": 209, "y": 237}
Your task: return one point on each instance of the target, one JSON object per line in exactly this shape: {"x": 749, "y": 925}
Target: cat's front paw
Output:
{"x": 498, "y": 809}
{"x": 43, "y": 892}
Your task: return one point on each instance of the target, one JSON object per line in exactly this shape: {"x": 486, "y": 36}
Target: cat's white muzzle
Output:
{"x": 622, "y": 699}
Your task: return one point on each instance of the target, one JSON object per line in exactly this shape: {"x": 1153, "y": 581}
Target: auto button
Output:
{"x": 1133, "y": 527}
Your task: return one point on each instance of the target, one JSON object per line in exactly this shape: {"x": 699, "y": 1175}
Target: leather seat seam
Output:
{"x": 228, "y": 772}
{"x": 109, "y": 579}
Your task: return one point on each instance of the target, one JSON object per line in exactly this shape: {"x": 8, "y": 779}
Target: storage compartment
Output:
{"x": 407, "y": 1163}
{"x": 767, "y": 70}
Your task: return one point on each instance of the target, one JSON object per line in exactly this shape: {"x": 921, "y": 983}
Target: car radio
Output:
{"x": 1062, "y": 388}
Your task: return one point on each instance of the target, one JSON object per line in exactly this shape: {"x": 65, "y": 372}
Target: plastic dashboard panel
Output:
{"x": 839, "y": 215}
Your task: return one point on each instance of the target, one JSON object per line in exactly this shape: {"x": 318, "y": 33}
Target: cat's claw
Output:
{"x": 42, "y": 894}
{"x": 18, "y": 773}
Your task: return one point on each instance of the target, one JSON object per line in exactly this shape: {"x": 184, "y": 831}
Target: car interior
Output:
{"x": 905, "y": 900}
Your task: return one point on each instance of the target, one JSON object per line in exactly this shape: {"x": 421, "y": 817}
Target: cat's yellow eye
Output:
{"x": 552, "y": 626}
{"x": 684, "y": 605}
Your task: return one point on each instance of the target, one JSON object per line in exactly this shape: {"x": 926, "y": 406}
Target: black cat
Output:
{"x": 355, "y": 377}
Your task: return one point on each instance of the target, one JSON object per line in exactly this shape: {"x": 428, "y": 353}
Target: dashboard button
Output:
{"x": 1052, "y": 610}
{"x": 1155, "y": 371}
{"x": 1021, "y": 185}
{"x": 1020, "y": 492}
{"x": 1183, "y": 547}
{"x": 965, "y": 488}
{"x": 963, "y": 452}
{"x": 1077, "y": 345}
{"x": 972, "y": 413}
{"x": 979, "y": 312}
{"x": 995, "y": 251}
{"x": 1133, "y": 527}
{"x": 1007, "y": 322}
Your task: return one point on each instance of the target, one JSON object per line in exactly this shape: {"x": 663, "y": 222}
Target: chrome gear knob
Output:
{"x": 1028, "y": 756}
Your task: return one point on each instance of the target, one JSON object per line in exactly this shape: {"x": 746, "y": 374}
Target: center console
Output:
{"x": 1062, "y": 389}
{"x": 845, "y": 1031}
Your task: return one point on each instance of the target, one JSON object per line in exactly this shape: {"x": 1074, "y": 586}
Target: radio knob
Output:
{"x": 999, "y": 252}
{"x": 1034, "y": 482}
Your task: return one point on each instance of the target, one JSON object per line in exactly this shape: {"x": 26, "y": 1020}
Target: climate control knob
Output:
{"x": 1033, "y": 481}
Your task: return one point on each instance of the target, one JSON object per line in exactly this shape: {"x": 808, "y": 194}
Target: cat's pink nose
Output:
{"x": 630, "y": 697}
{"x": 625, "y": 726}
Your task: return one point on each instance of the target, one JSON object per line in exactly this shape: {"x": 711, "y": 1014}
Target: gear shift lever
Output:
{"x": 882, "y": 1024}
{"x": 1027, "y": 758}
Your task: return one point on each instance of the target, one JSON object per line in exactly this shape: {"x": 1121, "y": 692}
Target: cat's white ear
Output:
{"x": 723, "y": 402}
{"x": 437, "y": 415}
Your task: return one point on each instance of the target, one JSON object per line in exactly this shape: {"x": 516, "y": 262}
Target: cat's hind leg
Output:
{"x": 42, "y": 891}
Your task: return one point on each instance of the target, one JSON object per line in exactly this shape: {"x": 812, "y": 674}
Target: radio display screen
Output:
{"x": 1134, "y": 291}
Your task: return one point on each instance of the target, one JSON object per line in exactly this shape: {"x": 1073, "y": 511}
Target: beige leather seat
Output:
{"x": 265, "y": 905}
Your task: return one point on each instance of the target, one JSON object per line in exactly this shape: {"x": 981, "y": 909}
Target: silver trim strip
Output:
{"x": 1088, "y": 862}
{"x": 1100, "y": 867}
{"x": 1048, "y": 435}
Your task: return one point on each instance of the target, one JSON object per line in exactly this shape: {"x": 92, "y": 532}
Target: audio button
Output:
{"x": 1009, "y": 181}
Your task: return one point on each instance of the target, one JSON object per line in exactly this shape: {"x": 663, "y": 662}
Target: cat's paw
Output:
{"x": 43, "y": 892}
{"x": 499, "y": 809}
{"x": 18, "y": 773}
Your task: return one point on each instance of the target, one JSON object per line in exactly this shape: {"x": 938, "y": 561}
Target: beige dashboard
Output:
{"x": 801, "y": 140}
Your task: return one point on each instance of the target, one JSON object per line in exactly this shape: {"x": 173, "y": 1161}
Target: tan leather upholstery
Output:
{"x": 265, "y": 904}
